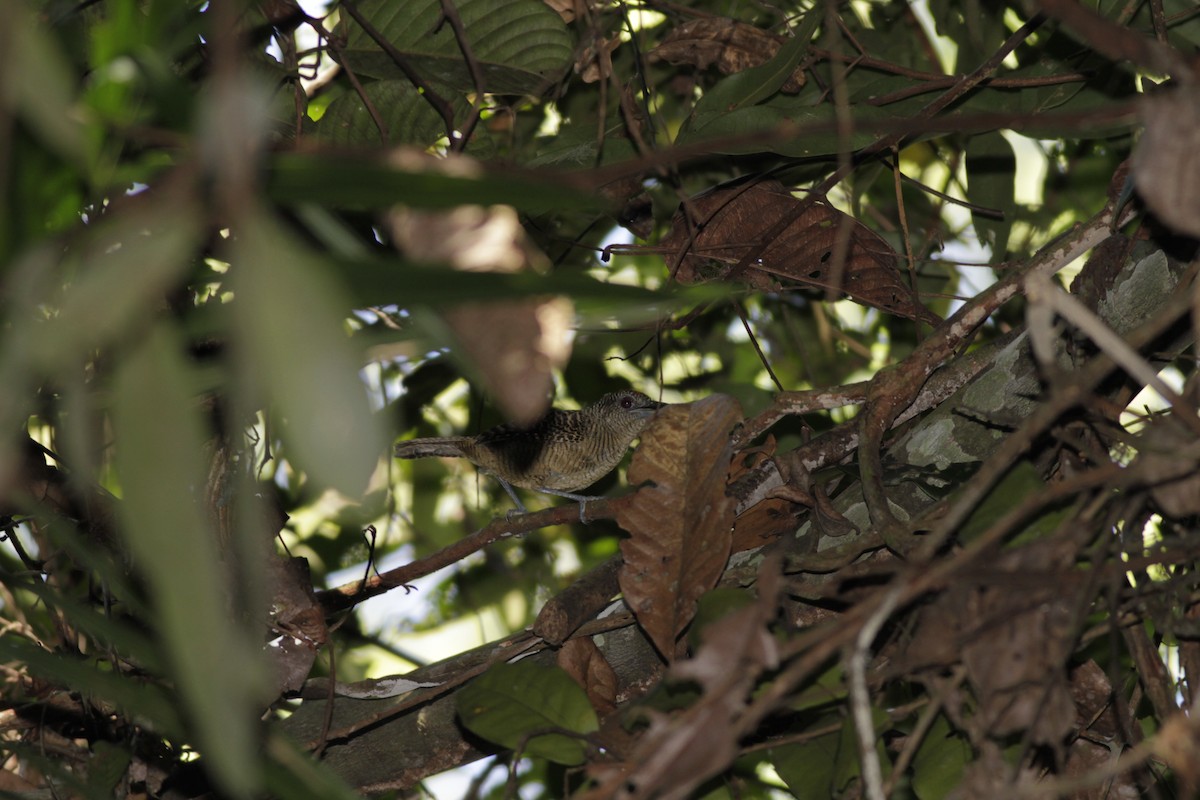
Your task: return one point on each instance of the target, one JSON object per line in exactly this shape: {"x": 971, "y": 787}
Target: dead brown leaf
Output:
{"x": 679, "y": 752}
{"x": 729, "y": 45}
{"x": 514, "y": 344}
{"x": 731, "y": 219}
{"x": 583, "y": 661}
{"x": 680, "y": 527}
{"x": 1166, "y": 163}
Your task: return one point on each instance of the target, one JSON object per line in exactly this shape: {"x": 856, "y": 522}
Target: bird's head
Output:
{"x": 626, "y": 411}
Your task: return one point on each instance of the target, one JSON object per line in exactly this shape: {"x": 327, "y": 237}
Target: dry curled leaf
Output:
{"x": 679, "y": 752}
{"x": 1166, "y": 163}
{"x": 582, "y": 660}
{"x": 515, "y": 344}
{"x": 680, "y": 526}
{"x": 729, "y": 45}
{"x": 822, "y": 248}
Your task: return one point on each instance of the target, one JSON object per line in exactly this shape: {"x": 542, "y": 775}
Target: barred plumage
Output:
{"x": 562, "y": 453}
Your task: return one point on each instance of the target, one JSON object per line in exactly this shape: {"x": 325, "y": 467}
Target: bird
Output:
{"x": 563, "y": 452}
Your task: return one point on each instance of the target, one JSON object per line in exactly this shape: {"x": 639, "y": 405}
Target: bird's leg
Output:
{"x": 520, "y": 509}
{"x": 579, "y": 498}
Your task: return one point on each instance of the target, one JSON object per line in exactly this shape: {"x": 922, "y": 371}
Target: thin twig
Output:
{"x": 439, "y": 103}
{"x": 860, "y": 698}
{"x": 450, "y": 14}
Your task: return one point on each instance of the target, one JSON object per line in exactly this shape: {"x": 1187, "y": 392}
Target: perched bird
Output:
{"x": 564, "y": 452}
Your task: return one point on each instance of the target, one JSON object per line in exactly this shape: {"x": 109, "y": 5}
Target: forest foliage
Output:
{"x": 916, "y": 281}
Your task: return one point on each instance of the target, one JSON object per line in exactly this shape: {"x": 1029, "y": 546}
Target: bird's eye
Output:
{"x": 626, "y": 402}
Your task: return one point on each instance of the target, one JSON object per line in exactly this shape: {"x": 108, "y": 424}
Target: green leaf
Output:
{"x": 368, "y": 183}
{"x": 129, "y": 264}
{"x": 218, "y": 668}
{"x": 36, "y": 75}
{"x": 510, "y": 702}
{"x": 808, "y": 768}
{"x": 752, "y": 86}
{"x": 1021, "y": 482}
{"x": 406, "y": 114}
{"x": 384, "y": 281}
{"x": 762, "y": 128}
{"x": 991, "y": 179}
{"x": 713, "y": 606}
{"x": 289, "y": 312}
{"x": 137, "y": 699}
{"x": 106, "y": 768}
{"x": 521, "y": 46}
{"x": 294, "y": 774}
{"x": 940, "y": 761}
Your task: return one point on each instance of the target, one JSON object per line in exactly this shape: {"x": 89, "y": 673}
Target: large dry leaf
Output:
{"x": 678, "y": 752}
{"x": 732, "y": 220}
{"x": 680, "y": 527}
{"x": 515, "y": 344}
{"x": 730, "y": 45}
{"x": 1166, "y": 163}
{"x": 582, "y": 660}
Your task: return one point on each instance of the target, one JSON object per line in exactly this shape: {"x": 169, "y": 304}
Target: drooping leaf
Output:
{"x": 214, "y": 660}
{"x": 289, "y": 315}
{"x": 411, "y": 178}
{"x": 585, "y": 663}
{"x": 681, "y": 526}
{"x": 819, "y": 247}
{"x": 511, "y": 702}
{"x": 991, "y": 176}
{"x": 136, "y": 698}
{"x": 940, "y": 761}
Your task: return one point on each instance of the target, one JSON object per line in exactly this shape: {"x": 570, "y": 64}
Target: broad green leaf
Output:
{"x": 1021, "y": 482}
{"x": 106, "y": 768}
{"x": 407, "y": 116}
{"x": 511, "y": 701}
{"x": 294, "y": 774}
{"x": 289, "y": 315}
{"x": 216, "y": 665}
{"x": 808, "y": 768}
{"x": 991, "y": 179}
{"x": 521, "y": 46}
{"x": 940, "y": 761}
{"x": 848, "y": 766}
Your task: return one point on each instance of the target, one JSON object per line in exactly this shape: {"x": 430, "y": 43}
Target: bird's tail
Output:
{"x": 435, "y": 446}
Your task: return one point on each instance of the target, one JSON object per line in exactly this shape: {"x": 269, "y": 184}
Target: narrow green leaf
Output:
{"x": 991, "y": 180}
{"x": 143, "y": 701}
{"x": 289, "y": 314}
{"x": 511, "y": 701}
{"x": 752, "y": 86}
{"x": 128, "y": 265}
{"x": 36, "y": 75}
{"x": 216, "y": 665}
{"x": 940, "y": 761}
{"x": 367, "y": 183}
{"x": 808, "y": 768}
